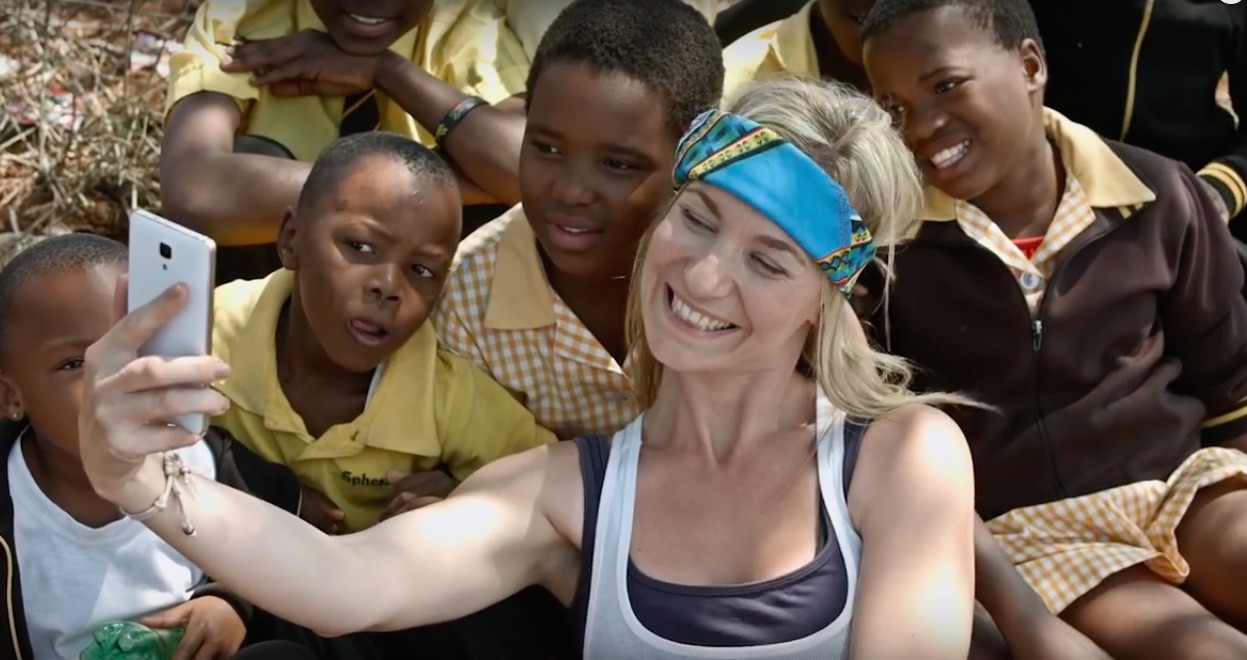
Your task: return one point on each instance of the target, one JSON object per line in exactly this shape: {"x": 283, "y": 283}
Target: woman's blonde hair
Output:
{"x": 853, "y": 139}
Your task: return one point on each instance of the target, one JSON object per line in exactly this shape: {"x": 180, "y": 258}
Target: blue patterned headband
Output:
{"x": 778, "y": 180}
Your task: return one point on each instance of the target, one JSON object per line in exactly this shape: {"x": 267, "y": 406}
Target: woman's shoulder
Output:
{"x": 916, "y": 427}
{"x": 913, "y": 440}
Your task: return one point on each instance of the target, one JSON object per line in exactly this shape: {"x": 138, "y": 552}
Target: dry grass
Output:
{"x": 80, "y": 125}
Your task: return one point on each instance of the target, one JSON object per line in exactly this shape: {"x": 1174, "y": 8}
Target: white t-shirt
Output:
{"x": 75, "y": 577}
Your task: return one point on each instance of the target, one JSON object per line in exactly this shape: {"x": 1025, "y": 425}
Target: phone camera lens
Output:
{"x": 166, "y": 252}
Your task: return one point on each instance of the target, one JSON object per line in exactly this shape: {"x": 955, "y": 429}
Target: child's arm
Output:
{"x": 480, "y": 422}
{"x": 483, "y": 145}
{"x": 1228, "y": 174}
{"x": 1030, "y": 630}
{"x": 237, "y": 198}
{"x": 1205, "y": 316}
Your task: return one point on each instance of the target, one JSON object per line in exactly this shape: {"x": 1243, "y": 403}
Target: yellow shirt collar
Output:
{"x": 793, "y": 45}
{"x": 520, "y": 297}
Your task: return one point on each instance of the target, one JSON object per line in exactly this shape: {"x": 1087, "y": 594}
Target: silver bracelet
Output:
{"x": 178, "y": 486}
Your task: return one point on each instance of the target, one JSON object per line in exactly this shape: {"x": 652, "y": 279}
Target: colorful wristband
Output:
{"x": 456, "y": 115}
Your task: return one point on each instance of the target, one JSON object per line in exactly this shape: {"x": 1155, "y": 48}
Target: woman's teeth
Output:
{"x": 697, "y": 319}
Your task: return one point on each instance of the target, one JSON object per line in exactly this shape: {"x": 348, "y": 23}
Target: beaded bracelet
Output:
{"x": 178, "y": 486}
{"x": 456, "y": 115}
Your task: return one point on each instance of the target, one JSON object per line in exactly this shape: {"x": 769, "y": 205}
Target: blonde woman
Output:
{"x": 784, "y": 496}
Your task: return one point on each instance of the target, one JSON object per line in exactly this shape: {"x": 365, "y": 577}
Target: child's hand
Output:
{"x": 320, "y": 511}
{"x": 213, "y": 628}
{"x": 306, "y": 63}
{"x": 412, "y": 491}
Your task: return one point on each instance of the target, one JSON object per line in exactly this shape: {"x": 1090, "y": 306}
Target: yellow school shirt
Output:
{"x": 783, "y": 47}
{"x": 429, "y": 408}
{"x": 464, "y": 43}
{"x": 530, "y": 19}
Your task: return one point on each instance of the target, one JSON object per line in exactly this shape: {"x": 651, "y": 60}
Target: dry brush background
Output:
{"x": 82, "y": 98}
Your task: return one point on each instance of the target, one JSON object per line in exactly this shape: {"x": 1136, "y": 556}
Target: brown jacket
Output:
{"x": 1138, "y": 353}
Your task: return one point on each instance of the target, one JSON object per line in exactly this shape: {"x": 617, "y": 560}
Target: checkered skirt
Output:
{"x": 1065, "y": 549}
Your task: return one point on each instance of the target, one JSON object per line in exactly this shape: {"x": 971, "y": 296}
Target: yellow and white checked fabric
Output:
{"x": 499, "y": 311}
{"x": 1064, "y": 549}
{"x": 1073, "y": 216}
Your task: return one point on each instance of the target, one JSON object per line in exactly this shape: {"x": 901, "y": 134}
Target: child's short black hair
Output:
{"x": 1010, "y": 21}
{"x": 665, "y": 44}
{"x": 344, "y": 152}
{"x": 55, "y": 255}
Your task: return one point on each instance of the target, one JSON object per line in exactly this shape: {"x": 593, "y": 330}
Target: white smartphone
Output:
{"x": 162, "y": 254}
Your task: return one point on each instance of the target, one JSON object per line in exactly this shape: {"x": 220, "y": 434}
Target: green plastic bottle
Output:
{"x": 126, "y": 640}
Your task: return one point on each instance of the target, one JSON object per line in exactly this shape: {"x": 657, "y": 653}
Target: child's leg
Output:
{"x": 1213, "y": 538}
{"x": 1134, "y": 615}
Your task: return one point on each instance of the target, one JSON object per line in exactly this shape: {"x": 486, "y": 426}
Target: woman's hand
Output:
{"x": 125, "y": 400}
{"x": 213, "y": 628}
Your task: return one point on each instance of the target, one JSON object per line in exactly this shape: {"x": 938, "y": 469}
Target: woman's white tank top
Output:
{"x": 612, "y": 630}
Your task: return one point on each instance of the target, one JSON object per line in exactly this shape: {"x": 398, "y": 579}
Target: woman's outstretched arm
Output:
{"x": 488, "y": 540}
{"x": 912, "y": 499}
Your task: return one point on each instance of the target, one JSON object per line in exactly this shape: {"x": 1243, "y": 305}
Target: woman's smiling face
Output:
{"x": 724, "y": 289}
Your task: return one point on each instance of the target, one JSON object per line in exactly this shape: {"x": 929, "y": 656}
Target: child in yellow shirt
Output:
{"x": 263, "y": 85}
{"x": 335, "y": 372}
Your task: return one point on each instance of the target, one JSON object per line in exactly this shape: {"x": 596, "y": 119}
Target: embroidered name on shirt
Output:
{"x": 363, "y": 480}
